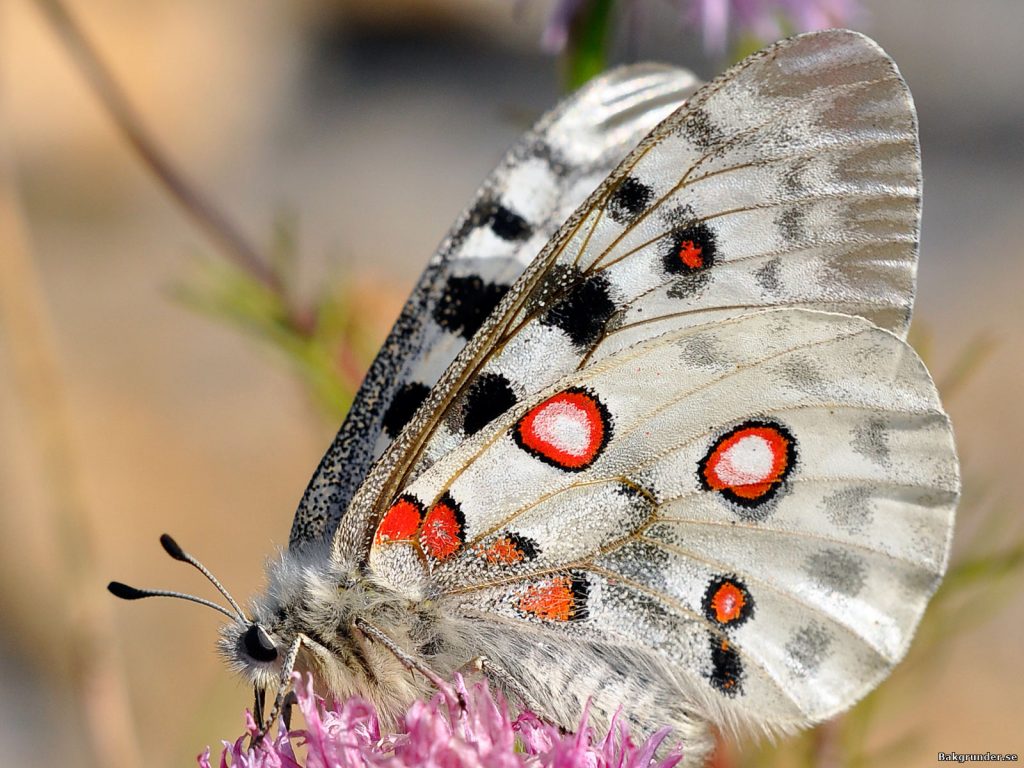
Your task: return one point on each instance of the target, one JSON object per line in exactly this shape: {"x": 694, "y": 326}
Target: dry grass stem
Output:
{"x": 81, "y": 616}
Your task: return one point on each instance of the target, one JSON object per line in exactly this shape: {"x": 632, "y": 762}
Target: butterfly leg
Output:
{"x": 287, "y": 667}
{"x": 290, "y": 700}
{"x": 511, "y": 684}
{"x": 259, "y": 702}
{"x": 410, "y": 662}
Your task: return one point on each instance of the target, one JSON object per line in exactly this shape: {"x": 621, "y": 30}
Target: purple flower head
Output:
{"x": 722, "y": 20}
{"x": 556, "y": 31}
{"x": 764, "y": 19}
{"x": 437, "y": 734}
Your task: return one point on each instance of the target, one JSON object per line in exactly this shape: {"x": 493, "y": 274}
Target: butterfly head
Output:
{"x": 254, "y": 650}
{"x": 258, "y": 644}
{"x": 249, "y": 642}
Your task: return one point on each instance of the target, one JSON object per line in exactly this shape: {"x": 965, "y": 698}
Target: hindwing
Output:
{"x": 761, "y": 505}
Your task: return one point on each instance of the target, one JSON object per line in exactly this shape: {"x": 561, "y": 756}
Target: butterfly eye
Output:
{"x": 258, "y": 643}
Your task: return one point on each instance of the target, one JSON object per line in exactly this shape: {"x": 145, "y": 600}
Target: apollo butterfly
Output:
{"x": 647, "y": 433}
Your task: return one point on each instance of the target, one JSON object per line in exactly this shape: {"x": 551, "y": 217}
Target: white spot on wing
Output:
{"x": 747, "y": 462}
{"x": 565, "y": 426}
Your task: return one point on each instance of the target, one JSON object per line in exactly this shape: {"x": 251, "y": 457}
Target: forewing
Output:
{"x": 753, "y": 512}
{"x": 538, "y": 184}
{"x": 792, "y": 180}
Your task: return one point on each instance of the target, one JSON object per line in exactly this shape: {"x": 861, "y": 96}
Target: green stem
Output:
{"x": 586, "y": 54}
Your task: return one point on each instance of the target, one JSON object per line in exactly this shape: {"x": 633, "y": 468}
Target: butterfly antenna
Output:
{"x": 171, "y": 548}
{"x": 125, "y": 592}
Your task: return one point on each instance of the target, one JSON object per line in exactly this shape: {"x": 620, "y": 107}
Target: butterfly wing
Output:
{"x": 739, "y": 521}
{"x": 714, "y": 464}
{"x": 538, "y": 184}
{"x": 791, "y": 180}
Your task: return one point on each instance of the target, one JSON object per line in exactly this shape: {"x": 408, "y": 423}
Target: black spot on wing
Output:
{"x": 583, "y": 314}
{"x": 793, "y": 180}
{"x": 768, "y": 275}
{"x": 851, "y": 509}
{"x": 700, "y": 130}
{"x": 629, "y": 200}
{"x": 489, "y": 396}
{"x": 509, "y": 225}
{"x": 691, "y": 248}
{"x": 871, "y": 440}
{"x": 505, "y": 223}
{"x": 540, "y": 149}
{"x": 837, "y": 570}
{"x": 580, "y": 587}
{"x": 792, "y": 223}
{"x": 726, "y": 667}
{"x": 807, "y": 648}
{"x": 466, "y": 303}
{"x": 407, "y": 399}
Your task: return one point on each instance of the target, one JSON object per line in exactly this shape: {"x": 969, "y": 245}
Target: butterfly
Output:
{"x": 648, "y": 432}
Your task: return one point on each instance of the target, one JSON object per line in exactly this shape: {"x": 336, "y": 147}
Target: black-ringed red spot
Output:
{"x": 509, "y": 549}
{"x": 444, "y": 528}
{"x": 690, "y": 249}
{"x": 749, "y": 463}
{"x": 401, "y": 521}
{"x": 726, "y": 673}
{"x": 568, "y": 430}
{"x": 727, "y": 602}
{"x": 560, "y": 598}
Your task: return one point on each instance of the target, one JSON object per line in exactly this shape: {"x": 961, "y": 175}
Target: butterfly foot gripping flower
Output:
{"x": 654, "y": 442}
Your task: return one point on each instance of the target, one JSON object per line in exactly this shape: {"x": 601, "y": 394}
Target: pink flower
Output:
{"x": 438, "y": 734}
{"x": 764, "y": 19}
{"x": 720, "y": 20}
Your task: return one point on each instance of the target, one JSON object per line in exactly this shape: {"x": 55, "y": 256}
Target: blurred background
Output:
{"x": 146, "y": 386}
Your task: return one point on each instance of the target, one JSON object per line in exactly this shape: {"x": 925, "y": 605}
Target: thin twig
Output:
{"x": 198, "y": 206}
{"x": 83, "y": 624}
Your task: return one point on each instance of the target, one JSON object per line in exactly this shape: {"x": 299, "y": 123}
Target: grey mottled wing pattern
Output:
{"x": 793, "y": 180}
{"x": 538, "y": 184}
{"x": 760, "y": 525}
{"x": 722, "y": 487}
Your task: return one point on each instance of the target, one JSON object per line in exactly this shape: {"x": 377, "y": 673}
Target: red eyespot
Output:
{"x": 568, "y": 430}
{"x": 510, "y": 549}
{"x": 401, "y": 521}
{"x": 727, "y": 602}
{"x": 689, "y": 250}
{"x": 691, "y": 254}
{"x": 749, "y": 463}
{"x": 562, "y": 598}
{"x": 444, "y": 528}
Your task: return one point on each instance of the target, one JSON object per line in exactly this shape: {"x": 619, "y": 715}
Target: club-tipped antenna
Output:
{"x": 171, "y": 548}
{"x": 126, "y": 592}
